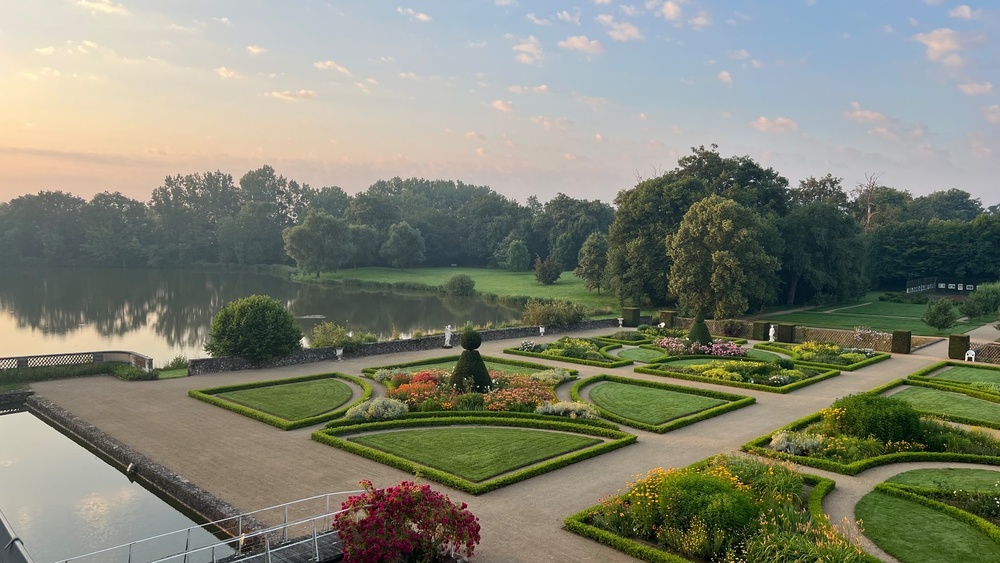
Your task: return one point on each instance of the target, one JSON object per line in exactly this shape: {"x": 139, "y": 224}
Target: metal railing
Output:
{"x": 76, "y": 358}
{"x": 12, "y": 549}
{"x": 293, "y": 523}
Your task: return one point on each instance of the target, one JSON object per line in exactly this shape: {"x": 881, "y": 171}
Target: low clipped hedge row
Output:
{"x": 340, "y": 423}
{"x": 961, "y": 389}
{"x": 209, "y": 396}
{"x": 787, "y": 349}
{"x": 913, "y": 494}
{"x": 924, "y": 373}
{"x": 735, "y": 402}
{"x": 654, "y": 370}
{"x": 577, "y": 523}
{"x": 611, "y": 363}
{"x": 332, "y": 437}
{"x": 370, "y": 371}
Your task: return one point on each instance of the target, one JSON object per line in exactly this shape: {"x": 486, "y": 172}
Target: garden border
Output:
{"x": 787, "y": 388}
{"x": 370, "y": 371}
{"x": 618, "y": 439}
{"x": 208, "y": 395}
{"x": 603, "y": 350}
{"x": 734, "y": 402}
{"x": 907, "y": 493}
{"x": 771, "y": 347}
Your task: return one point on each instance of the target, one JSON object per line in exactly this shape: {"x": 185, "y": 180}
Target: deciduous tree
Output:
{"x": 404, "y": 247}
{"x": 593, "y": 262}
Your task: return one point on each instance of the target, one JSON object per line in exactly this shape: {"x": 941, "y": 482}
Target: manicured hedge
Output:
{"x": 623, "y": 342}
{"x": 787, "y": 349}
{"x": 209, "y": 396}
{"x": 961, "y": 389}
{"x": 735, "y": 402}
{"x": 911, "y": 494}
{"x": 611, "y": 363}
{"x": 370, "y": 371}
{"x": 340, "y": 423}
{"x": 924, "y": 373}
{"x": 332, "y": 437}
{"x": 654, "y": 370}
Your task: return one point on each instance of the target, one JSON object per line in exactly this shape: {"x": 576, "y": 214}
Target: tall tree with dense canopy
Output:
{"x": 322, "y": 242}
{"x": 593, "y": 262}
{"x": 720, "y": 260}
{"x": 824, "y": 255}
{"x": 404, "y": 247}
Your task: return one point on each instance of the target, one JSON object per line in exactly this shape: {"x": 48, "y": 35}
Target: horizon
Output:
{"x": 528, "y": 99}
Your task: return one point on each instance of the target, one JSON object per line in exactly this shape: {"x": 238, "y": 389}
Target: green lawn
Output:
{"x": 497, "y": 282}
{"x": 644, "y": 355}
{"x": 647, "y": 404}
{"x": 913, "y": 533}
{"x": 691, "y": 362}
{"x": 173, "y": 373}
{"x": 849, "y": 319}
{"x": 949, "y": 404}
{"x": 952, "y": 479}
{"x": 762, "y": 355}
{"x": 293, "y": 401}
{"x": 478, "y": 453}
{"x": 963, "y": 374}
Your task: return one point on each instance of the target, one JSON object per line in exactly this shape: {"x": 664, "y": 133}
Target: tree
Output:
{"x": 256, "y": 328}
{"x": 823, "y": 257}
{"x": 460, "y": 284}
{"x": 366, "y": 241}
{"x": 720, "y": 261}
{"x": 404, "y": 247}
{"x": 828, "y": 189}
{"x": 940, "y": 314}
{"x": 322, "y": 242}
{"x": 252, "y": 236}
{"x": 875, "y": 205}
{"x": 547, "y": 271}
{"x": 516, "y": 257}
{"x": 951, "y": 205}
{"x": 334, "y": 200}
{"x": 592, "y": 264}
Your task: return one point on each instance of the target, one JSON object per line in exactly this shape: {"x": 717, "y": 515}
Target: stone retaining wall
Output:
{"x": 145, "y": 470}
{"x": 311, "y": 355}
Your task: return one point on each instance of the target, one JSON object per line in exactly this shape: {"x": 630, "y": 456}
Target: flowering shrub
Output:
{"x": 385, "y": 375}
{"x": 381, "y": 408}
{"x": 831, "y": 353}
{"x": 407, "y": 522}
{"x": 579, "y": 348}
{"x": 529, "y": 346}
{"x": 552, "y": 377}
{"x": 684, "y": 347}
{"x": 517, "y": 393}
{"x": 568, "y": 409}
{"x": 762, "y": 373}
{"x": 866, "y": 336}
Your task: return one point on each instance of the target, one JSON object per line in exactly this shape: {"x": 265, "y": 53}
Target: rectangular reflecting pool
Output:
{"x": 63, "y": 500}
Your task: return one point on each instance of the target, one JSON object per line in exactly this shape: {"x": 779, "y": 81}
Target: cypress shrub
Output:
{"x": 699, "y": 331}
{"x": 470, "y": 371}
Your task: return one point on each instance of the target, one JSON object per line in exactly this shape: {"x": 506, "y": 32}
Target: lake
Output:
{"x": 165, "y": 313}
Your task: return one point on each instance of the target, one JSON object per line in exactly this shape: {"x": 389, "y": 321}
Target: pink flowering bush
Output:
{"x": 408, "y": 522}
{"x": 684, "y": 347}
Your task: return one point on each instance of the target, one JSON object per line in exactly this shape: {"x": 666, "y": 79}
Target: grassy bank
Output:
{"x": 488, "y": 282}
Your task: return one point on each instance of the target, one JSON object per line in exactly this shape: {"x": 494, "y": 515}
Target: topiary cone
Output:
{"x": 699, "y": 331}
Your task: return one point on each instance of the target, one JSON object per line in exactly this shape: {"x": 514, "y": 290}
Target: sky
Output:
{"x": 527, "y": 97}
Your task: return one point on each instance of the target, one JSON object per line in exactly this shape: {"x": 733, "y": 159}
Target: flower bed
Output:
{"x": 728, "y": 508}
{"x": 212, "y": 396}
{"x": 732, "y": 402}
{"x": 825, "y": 355}
{"x": 673, "y": 346}
{"x": 643, "y": 334}
{"x": 448, "y": 362}
{"x": 340, "y": 437}
{"x": 586, "y": 351}
{"x": 859, "y": 432}
{"x": 782, "y": 376}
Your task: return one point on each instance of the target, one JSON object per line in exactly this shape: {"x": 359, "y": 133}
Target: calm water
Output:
{"x": 64, "y": 501}
{"x": 165, "y": 313}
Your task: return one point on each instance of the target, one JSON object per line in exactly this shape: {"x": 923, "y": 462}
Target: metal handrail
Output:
{"x": 218, "y": 524}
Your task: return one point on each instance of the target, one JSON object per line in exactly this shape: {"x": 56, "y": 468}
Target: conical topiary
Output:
{"x": 471, "y": 371}
{"x": 699, "y": 331}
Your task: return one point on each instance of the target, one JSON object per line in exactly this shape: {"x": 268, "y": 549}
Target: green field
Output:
{"x": 293, "y": 401}
{"x": 953, "y": 479}
{"x": 963, "y": 374}
{"x": 947, "y": 403}
{"x": 644, "y": 355}
{"x": 489, "y": 281}
{"x": 173, "y": 373}
{"x": 478, "y": 453}
{"x": 646, "y": 404}
{"x": 913, "y": 533}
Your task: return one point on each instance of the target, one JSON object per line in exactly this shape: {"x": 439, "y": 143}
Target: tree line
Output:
{"x": 716, "y": 235}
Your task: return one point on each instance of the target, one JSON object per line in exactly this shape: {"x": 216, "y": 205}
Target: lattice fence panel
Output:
{"x": 736, "y": 328}
{"x": 8, "y": 363}
{"x": 987, "y": 352}
{"x": 881, "y": 341}
{"x": 60, "y": 360}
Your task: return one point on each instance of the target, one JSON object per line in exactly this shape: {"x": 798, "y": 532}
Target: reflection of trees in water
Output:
{"x": 179, "y": 305}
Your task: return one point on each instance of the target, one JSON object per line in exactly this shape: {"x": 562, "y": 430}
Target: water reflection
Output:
{"x": 163, "y": 313}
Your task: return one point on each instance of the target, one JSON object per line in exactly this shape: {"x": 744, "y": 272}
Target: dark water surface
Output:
{"x": 165, "y": 313}
{"x": 64, "y": 501}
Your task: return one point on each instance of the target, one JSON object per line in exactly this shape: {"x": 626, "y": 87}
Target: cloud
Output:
{"x": 225, "y": 72}
{"x": 863, "y": 115}
{"x": 46, "y": 50}
{"x": 559, "y": 124}
{"x": 964, "y": 12}
{"x": 419, "y": 16}
{"x": 537, "y": 20}
{"x": 529, "y": 51}
{"x": 975, "y": 89}
{"x": 701, "y": 21}
{"x": 776, "y": 125}
{"x": 671, "y": 11}
{"x": 598, "y": 137}
{"x": 942, "y": 46}
{"x": 291, "y": 96}
{"x": 567, "y": 17}
{"x": 256, "y": 49}
{"x": 883, "y": 132}
{"x": 502, "y": 105}
{"x": 582, "y": 43}
{"x": 540, "y": 89}
{"x": 473, "y": 136}
{"x": 480, "y": 151}
{"x": 103, "y": 6}
{"x": 594, "y": 103}
{"x": 619, "y": 31}
{"x": 409, "y": 75}
{"x": 223, "y": 20}
{"x": 505, "y": 2}
{"x": 992, "y": 114}
{"x": 725, "y": 78}
{"x": 331, "y": 65}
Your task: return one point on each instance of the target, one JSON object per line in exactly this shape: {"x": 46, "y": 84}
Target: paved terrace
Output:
{"x": 252, "y": 465}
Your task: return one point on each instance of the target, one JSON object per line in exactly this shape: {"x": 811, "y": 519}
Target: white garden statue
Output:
{"x": 772, "y": 335}
{"x": 447, "y": 336}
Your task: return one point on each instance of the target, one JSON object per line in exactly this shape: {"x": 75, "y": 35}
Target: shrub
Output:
{"x": 940, "y": 314}
{"x": 330, "y": 335}
{"x": 568, "y": 409}
{"x": 381, "y": 408}
{"x": 699, "y": 332}
{"x": 555, "y": 313}
{"x": 716, "y": 511}
{"x": 407, "y": 522}
{"x": 178, "y": 362}
{"x": 460, "y": 284}
{"x": 789, "y": 534}
{"x": 552, "y": 377}
{"x": 865, "y": 415}
{"x": 984, "y": 301}
{"x": 256, "y": 328}
{"x": 128, "y": 372}
{"x": 547, "y": 271}
{"x": 471, "y": 372}
{"x": 469, "y": 402}
{"x": 471, "y": 339}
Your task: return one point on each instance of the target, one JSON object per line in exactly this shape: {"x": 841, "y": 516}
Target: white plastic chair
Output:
{"x": 970, "y": 356}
